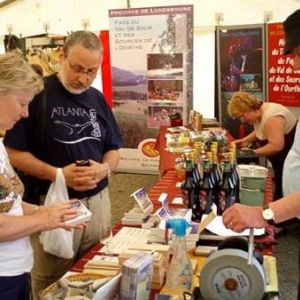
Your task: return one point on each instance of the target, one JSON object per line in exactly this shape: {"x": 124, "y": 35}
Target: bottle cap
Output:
{"x": 178, "y": 225}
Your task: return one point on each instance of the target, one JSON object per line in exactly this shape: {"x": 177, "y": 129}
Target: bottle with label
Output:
{"x": 217, "y": 176}
{"x": 206, "y": 187}
{"x": 188, "y": 186}
{"x": 197, "y": 210}
{"x": 235, "y": 174}
{"x": 227, "y": 190}
{"x": 180, "y": 272}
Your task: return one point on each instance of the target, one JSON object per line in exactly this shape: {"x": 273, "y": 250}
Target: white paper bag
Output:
{"x": 58, "y": 241}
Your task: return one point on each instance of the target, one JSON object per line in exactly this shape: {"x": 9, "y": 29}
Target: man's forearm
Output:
{"x": 112, "y": 158}
{"x": 29, "y": 164}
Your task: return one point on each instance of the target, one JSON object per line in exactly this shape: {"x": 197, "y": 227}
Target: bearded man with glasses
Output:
{"x": 69, "y": 122}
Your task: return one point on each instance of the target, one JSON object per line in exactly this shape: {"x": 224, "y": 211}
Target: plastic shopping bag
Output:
{"x": 58, "y": 241}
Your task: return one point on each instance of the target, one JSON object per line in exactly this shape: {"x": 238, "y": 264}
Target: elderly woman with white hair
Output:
{"x": 19, "y": 83}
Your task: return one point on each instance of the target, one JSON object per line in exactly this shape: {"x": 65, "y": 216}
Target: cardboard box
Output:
{"x": 84, "y": 215}
{"x": 136, "y": 278}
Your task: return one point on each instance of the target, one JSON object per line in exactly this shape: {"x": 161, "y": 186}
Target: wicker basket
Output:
{"x": 78, "y": 277}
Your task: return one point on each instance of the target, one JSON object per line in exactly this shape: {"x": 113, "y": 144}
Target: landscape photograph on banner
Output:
{"x": 165, "y": 65}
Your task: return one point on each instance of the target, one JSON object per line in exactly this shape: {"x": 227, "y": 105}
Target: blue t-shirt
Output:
{"x": 66, "y": 127}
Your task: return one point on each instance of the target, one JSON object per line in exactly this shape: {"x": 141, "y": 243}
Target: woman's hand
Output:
{"x": 241, "y": 143}
{"x": 55, "y": 215}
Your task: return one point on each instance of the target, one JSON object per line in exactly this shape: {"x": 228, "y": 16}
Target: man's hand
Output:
{"x": 239, "y": 217}
{"x": 83, "y": 178}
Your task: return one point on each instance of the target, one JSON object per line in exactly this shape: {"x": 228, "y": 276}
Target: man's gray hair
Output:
{"x": 85, "y": 38}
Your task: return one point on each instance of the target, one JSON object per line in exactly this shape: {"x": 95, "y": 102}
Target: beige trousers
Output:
{"x": 48, "y": 268}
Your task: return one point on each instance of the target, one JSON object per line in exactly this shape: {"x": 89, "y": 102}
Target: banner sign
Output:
{"x": 240, "y": 57}
{"x": 105, "y": 67}
{"x": 151, "y": 51}
{"x": 283, "y": 80}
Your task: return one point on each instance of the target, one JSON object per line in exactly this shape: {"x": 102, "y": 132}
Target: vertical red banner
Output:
{"x": 105, "y": 67}
{"x": 282, "y": 81}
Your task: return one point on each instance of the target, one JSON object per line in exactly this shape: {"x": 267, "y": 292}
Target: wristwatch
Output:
{"x": 268, "y": 214}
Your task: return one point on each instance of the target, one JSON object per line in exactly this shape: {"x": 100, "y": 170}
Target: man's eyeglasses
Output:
{"x": 90, "y": 73}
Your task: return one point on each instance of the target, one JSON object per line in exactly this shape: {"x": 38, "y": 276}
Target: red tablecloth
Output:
{"x": 166, "y": 161}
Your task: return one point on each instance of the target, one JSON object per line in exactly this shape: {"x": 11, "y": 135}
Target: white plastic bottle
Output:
{"x": 180, "y": 272}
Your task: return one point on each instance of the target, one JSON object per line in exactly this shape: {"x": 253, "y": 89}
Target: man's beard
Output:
{"x": 64, "y": 81}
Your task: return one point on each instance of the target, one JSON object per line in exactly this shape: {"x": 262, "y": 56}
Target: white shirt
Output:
{"x": 16, "y": 257}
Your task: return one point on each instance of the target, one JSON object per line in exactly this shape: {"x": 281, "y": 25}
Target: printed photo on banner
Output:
{"x": 251, "y": 83}
{"x": 160, "y": 115}
{"x": 165, "y": 91}
{"x": 165, "y": 65}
